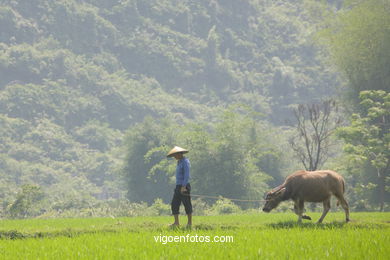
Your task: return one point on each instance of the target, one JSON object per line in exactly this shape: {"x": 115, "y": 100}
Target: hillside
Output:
{"x": 76, "y": 75}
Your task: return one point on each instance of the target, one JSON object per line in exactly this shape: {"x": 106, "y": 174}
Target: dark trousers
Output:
{"x": 178, "y": 198}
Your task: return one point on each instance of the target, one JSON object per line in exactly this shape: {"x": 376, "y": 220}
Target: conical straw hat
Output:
{"x": 176, "y": 149}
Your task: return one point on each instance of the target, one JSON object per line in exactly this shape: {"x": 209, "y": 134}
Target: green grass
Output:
{"x": 265, "y": 236}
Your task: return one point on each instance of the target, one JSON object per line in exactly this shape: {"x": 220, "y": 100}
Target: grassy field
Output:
{"x": 264, "y": 236}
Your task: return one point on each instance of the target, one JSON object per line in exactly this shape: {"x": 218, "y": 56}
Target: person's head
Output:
{"x": 178, "y": 156}
{"x": 177, "y": 152}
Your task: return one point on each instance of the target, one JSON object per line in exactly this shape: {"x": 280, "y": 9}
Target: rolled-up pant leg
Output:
{"x": 186, "y": 199}
{"x": 178, "y": 198}
{"x": 176, "y": 201}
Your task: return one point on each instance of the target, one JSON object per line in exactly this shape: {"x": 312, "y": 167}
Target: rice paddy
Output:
{"x": 250, "y": 236}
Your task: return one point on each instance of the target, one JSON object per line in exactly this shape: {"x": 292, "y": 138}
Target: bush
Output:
{"x": 27, "y": 202}
{"x": 200, "y": 207}
{"x": 160, "y": 207}
{"x": 223, "y": 206}
{"x": 361, "y": 205}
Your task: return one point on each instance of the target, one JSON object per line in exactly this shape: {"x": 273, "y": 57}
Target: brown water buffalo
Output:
{"x": 309, "y": 186}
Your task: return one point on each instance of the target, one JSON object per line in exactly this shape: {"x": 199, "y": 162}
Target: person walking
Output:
{"x": 183, "y": 188}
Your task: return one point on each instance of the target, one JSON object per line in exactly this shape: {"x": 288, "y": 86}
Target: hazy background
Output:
{"x": 94, "y": 93}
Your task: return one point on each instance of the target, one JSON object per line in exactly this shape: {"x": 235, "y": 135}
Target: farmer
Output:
{"x": 183, "y": 187}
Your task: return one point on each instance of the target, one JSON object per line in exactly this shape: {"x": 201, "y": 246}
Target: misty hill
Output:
{"x": 76, "y": 75}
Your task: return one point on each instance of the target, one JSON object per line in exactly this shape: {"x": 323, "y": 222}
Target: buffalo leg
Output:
{"x": 345, "y": 206}
{"x": 298, "y": 207}
{"x": 325, "y": 211}
{"x": 304, "y": 216}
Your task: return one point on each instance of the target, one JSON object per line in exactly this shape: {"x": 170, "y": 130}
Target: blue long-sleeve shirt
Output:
{"x": 183, "y": 172}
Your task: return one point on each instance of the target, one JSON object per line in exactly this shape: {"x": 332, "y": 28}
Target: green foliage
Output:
{"x": 26, "y": 203}
{"x": 359, "y": 40}
{"x": 98, "y": 136}
{"x": 233, "y": 158}
{"x": 161, "y": 208}
{"x": 145, "y": 148}
{"x": 222, "y": 207}
{"x": 368, "y": 140}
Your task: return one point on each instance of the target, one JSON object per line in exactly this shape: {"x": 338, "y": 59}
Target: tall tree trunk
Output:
{"x": 382, "y": 186}
{"x": 382, "y": 192}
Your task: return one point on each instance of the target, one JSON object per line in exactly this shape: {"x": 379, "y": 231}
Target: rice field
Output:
{"x": 251, "y": 236}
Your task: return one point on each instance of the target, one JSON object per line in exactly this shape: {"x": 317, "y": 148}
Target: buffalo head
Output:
{"x": 273, "y": 198}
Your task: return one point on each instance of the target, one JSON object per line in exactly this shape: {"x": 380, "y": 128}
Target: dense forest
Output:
{"x": 93, "y": 93}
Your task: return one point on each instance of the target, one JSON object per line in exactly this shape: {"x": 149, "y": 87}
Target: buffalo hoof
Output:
{"x": 306, "y": 217}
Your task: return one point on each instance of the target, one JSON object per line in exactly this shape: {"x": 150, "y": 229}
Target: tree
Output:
{"x": 26, "y": 200}
{"x": 359, "y": 41}
{"x": 368, "y": 139}
{"x": 315, "y": 125}
{"x": 146, "y": 144}
{"x": 233, "y": 158}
